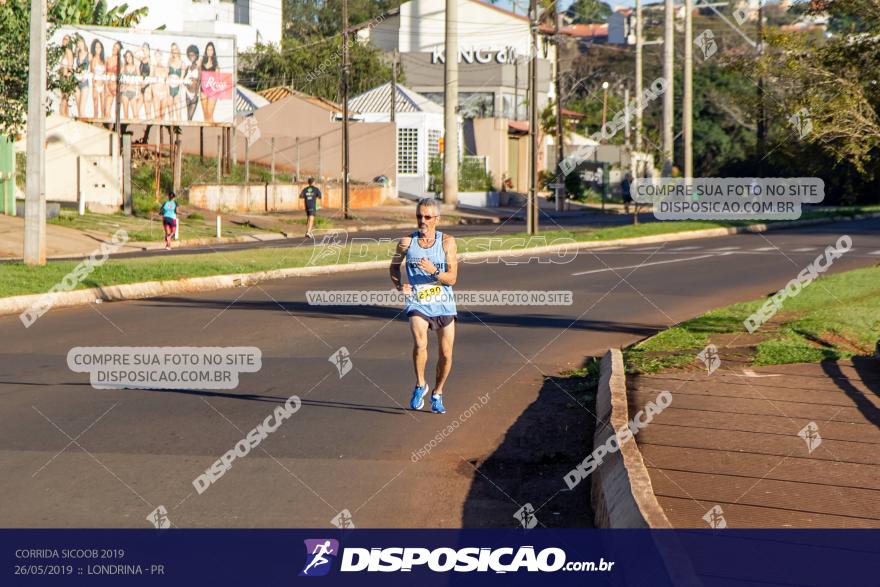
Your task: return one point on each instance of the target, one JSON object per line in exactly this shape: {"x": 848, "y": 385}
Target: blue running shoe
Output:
{"x": 437, "y": 404}
{"x": 418, "y": 398}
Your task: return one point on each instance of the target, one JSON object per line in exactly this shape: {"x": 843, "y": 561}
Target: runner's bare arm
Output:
{"x": 396, "y": 260}
{"x": 450, "y": 276}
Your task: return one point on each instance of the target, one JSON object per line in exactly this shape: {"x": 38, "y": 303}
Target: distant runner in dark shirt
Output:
{"x": 310, "y": 194}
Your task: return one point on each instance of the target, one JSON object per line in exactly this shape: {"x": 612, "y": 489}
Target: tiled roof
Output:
{"x": 280, "y": 92}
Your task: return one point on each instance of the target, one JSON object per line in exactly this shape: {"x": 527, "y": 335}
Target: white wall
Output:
{"x": 212, "y": 16}
{"x": 421, "y": 28}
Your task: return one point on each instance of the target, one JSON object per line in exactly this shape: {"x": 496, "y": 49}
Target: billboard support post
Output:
{"x": 247, "y": 162}
{"x": 178, "y": 163}
{"x": 158, "y": 142}
{"x": 126, "y": 174}
{"x": 202, "y": 145}
{"x": 219, "y": 144}
{"x": 273, "y": 159}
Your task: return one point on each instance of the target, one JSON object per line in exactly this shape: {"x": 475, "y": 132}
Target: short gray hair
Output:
{"x": 430, "y": 203}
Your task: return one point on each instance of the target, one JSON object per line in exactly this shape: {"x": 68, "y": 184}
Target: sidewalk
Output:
{"x": 60, "y": 240}
{"x": 65, "y": 242}
{"x": 785, "y": 446}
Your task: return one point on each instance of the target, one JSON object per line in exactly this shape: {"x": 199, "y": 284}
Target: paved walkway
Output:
{"x": 781, "y": 446}
{"x": 60, "y": 240}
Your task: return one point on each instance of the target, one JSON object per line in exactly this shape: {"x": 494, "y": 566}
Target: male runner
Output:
{"x": 310, "y": 194}
{"x": 431, "y": 271}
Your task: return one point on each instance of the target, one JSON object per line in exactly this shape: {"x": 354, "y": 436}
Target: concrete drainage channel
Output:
{"x": 621, "y": 494}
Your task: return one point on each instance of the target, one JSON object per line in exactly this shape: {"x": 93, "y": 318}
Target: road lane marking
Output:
{"x": 649, "y": 264}
{"x": 719, "y": 249}
{"x": 647, "y": 248}
{"x": 762, "y": 249}
{"x": 874, "y": 252}
{"x": 804, "y": 249}
{"x": 684, "y": 248}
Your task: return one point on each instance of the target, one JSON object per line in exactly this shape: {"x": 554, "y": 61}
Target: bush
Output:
{"x": 472, "y": 177}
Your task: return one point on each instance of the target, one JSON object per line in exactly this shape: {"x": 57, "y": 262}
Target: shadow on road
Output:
{"x": 347, "y": 313}
{"x": 550, "y": 437}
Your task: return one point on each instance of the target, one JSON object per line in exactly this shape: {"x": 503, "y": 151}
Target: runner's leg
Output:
{"x": 419, "y": 328}
{"x": 445, "y": 338}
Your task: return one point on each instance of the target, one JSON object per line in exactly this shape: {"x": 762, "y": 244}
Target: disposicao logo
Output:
{"x": 320, "y": 554}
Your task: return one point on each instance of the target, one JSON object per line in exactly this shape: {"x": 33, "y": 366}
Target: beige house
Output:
{"x": 307, "y": 133}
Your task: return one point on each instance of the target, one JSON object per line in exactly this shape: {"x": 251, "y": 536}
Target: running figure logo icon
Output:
{"x": 320, "y": 553}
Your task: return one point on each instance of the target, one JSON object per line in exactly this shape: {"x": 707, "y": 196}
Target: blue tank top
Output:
{"x": 430, "y": 297}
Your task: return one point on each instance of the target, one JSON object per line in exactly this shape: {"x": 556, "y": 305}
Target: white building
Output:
{"x": 250, "y": 21}
{"x": 419, "y": 128}
{"x": 494, "y": 46}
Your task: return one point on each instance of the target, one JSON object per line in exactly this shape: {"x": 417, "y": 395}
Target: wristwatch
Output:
{"x": 436, "y": 274}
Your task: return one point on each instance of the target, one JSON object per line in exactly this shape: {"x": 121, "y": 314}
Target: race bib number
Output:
{"x": 428, "y": 293}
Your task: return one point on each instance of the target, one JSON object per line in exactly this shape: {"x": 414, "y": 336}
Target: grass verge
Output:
{"x": 18, "y": 279}
{"x": 835, "y": 317}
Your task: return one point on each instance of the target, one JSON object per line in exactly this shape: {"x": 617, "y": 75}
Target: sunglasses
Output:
{"x": 420, "y": 217}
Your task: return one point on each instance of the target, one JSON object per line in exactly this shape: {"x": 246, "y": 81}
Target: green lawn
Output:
{"x": 144, "y": 228}
{"x": 835, "y": 317}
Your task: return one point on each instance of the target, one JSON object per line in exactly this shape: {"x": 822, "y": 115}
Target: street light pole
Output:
{"x": 639, "y": 50}
{"x": 35, "y": 197}
{"x": 669, "y": 96}
{"x": 532, "y": 204}
{"x": 450, "y": 106}
{"x": 560, "y": 133}
{"x": 687, "y": 125}
{"x": 345, "y": 137}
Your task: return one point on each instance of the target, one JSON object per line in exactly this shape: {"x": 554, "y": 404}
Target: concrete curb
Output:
{"x": 132, "y": 291}
{"x": 622, "y": 494}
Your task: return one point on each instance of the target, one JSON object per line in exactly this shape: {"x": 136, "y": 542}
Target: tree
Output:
{"x": 589, "y": 11}
{"x": 89, "y": 12}
{"x": 306, "y": 20}
{"x": 15, "y": 39}
{"x": 826, "y": 90}
{"x": 313, "y": 68}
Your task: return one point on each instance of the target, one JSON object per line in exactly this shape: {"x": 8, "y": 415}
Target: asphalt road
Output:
{"x": 74, "y": 456}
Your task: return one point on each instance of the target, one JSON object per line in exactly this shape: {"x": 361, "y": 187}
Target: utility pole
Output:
{"x": 761, "y": 143}
{"x": 669, "y": 96}
{"x": 560, "y": 133}
{"x": 450, "y": 106}
{"x": 393, "y": 84}
{"x": 532, "y": 204}
{"x": 639, "y": 49}
{"x": 687, "y": 125}
{"x": 345, "y": 71}
{"x": 35, "y": 197}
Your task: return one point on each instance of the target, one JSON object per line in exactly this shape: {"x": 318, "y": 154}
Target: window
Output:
{"x": 434, "y": 143}
{"x": 476, "y": 104}
{"x": 517, "y": 113}
{"x": 407, "y": 151}
{"x": 242, "y": 12}
{"x": 470, "y": 104}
